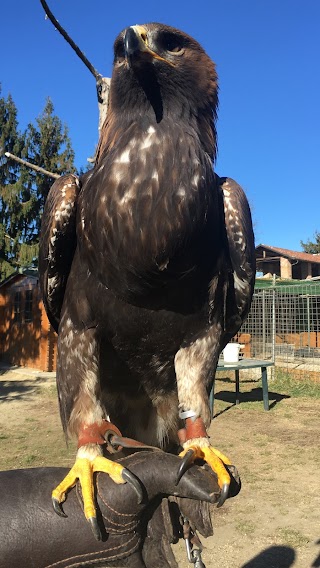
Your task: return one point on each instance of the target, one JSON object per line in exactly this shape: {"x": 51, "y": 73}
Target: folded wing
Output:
{"x": 58, "y": 243}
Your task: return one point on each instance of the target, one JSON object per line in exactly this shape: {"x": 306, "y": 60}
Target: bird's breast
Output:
{"x": 146, "y": 209}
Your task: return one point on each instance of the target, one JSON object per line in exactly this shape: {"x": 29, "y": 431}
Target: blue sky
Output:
{"x": 268, "y": 58}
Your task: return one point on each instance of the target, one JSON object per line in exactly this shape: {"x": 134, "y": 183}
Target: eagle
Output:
{"x": 147, "y": 266}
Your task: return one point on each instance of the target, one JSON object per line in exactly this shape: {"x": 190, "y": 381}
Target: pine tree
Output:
{"x": 10, "y": 141}
{"x": 48, "y": 145}
{"x": 45, "y": 144}
{"x": 312, "y": 247}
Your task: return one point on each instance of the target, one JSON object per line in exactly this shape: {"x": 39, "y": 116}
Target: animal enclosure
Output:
{"x": 284, "y": 326}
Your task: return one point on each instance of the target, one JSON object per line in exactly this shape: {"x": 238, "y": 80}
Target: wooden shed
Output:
{"x": 26, "y": 336}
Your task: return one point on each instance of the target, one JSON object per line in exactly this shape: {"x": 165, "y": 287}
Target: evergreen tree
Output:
{"x": 10, "y": 141}
{"x": 312, "y": 247}
{"x": 45, "y": 144}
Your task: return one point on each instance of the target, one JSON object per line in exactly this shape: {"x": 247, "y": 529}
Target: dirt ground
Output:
{"x": 273, "y": 523}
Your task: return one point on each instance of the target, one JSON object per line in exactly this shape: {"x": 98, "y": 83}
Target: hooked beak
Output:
{"x": 136, "y": 46}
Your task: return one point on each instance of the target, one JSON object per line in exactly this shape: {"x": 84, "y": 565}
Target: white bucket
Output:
{"x": 231, "y": 352}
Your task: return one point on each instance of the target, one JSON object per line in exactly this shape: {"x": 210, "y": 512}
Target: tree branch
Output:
{"x": 32, "y": 166}
{"x": 102, "y": 83}
{"x": 70, "y": 41}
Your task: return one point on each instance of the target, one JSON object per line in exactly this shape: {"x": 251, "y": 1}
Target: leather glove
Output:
{"x": 133, "y": 535}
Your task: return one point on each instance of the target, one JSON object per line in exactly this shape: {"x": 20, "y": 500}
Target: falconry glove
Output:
{"x": 133, "y": 535}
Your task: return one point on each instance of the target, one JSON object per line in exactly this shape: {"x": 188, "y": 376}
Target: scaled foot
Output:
{"x": 90, "y": 460}
{"x": 195, "y": 448}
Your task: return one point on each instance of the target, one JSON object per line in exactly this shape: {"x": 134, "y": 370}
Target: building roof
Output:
{"x": 292, "y": 254}
{"x": 29, "y": 272}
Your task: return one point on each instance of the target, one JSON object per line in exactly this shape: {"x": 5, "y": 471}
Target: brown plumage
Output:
{"x": 160, "y": 270}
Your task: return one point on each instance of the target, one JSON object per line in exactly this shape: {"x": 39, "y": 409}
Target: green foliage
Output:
{"x": 10, "y": 141}
{"x": 284, "y": 383}
{"x": 312, "y": 247}
{"x": 23, "y": 191}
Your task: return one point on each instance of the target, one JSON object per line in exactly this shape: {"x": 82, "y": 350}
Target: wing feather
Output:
{"x": 240, "y": 239}
{"x": 57, "y": 243}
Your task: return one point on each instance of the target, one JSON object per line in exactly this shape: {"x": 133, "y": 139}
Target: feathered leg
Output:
{"x": 83, "y": 415}
{"x": 194, "y": 366}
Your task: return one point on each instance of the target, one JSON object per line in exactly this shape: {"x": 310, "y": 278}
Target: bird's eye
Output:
{"x": 173, "y": 44}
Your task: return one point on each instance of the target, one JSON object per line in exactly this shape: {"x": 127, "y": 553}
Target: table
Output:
{"x": 245, "y": 364}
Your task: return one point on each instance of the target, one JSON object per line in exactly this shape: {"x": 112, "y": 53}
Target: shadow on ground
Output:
{"x": 254, "y": 395}
{"x": 11, "y": 390}
{"x": 316, "y": 563}
{"x": 273, "y": 557}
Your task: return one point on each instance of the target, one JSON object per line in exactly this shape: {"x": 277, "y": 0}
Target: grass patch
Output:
{"x": 252, "y": 405}
{"x": 292, "y": 537}
{"x": 245, "y": 527}
{"x": 249, "y": 476}
{"x": 48, "y": 391}
{"x": 283, "y": 383}
{"x": 30, "y": 459}
{"x": 251, "y": 391}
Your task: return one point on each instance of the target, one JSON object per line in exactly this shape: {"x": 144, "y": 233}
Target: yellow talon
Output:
{"x": 214, "y": 458}
{"x": 83, "y": 470}
{"x": 113, "y": 469}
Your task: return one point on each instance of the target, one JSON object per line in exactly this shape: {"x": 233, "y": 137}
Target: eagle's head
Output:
{"x": 161, "y": 72}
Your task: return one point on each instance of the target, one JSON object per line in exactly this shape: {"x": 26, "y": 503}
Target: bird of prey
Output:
{"x": 146, "y": 264}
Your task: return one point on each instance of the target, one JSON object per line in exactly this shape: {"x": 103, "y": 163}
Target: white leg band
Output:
{"x": 187, "y": 414}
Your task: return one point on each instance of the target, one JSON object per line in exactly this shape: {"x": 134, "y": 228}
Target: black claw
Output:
{"x": 185, "y": 462}
{"x": 95, "y": 527}
{"x": 134, "y": 482}
{"x": 57, "y": 507}
{"x": 224, "y": 494}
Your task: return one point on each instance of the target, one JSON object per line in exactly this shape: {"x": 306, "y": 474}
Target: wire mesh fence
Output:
{"x": 284, "y": 326}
